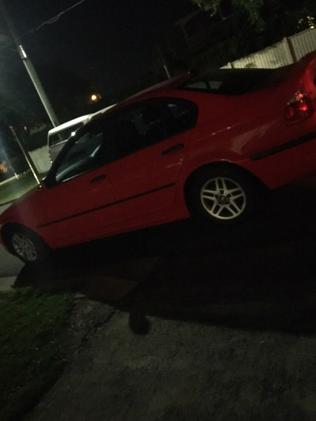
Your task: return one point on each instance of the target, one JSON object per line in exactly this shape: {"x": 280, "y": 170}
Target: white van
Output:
{"x": 58, "y": 136}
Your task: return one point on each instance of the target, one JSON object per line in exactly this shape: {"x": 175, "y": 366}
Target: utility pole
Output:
{"x": 27, "y": 156}
{"x": 29, "y": 66}
{"x": 163, "y": 62}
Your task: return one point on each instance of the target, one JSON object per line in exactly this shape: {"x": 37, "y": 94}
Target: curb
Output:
{"x": 7, "y": 283}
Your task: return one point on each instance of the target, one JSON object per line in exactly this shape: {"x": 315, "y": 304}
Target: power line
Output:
{"x": 56, "y": 18}
{"x": 51, "y": 21}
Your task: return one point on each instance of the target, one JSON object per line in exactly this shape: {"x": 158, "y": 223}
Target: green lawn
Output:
{"x": 15, "y": 188}
{"x": 31, "y": 347}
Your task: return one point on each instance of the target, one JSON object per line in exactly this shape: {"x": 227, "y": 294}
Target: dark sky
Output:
{"x": 109, "y": 42}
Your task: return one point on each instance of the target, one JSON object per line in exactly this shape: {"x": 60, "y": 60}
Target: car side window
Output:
{"x": 128, "y": 137}
{"x": 150, "y": 122}
{"x": 166, "y": 118}
{"x": 180, "y": 116}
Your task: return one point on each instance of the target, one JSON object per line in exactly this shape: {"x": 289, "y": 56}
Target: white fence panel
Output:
{"x": 275, "y": 56}
{"x": 304, "y": 42}
{"x": 280, "y": 54}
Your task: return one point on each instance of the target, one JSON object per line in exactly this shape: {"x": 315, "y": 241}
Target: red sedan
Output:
{"x": 193, "y": 146}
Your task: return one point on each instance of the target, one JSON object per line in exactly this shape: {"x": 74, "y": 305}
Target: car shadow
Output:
{"x": 256, "y": 276}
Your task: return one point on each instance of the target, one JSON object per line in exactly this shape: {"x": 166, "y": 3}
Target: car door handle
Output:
{"x": 173, "y": 149}
{"x": 98, "y": 178}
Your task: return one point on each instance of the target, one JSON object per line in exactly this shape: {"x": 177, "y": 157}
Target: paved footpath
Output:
{"x": 9, "y": 266}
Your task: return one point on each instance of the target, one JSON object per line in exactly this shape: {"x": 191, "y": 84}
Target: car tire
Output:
{"x": 26, "y": 245}
{"x": 222, "y": 195}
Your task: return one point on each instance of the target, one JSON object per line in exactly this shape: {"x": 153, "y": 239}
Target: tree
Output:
{"x": 257, "y": 23}
{"x": 268, "y": 15}
{"x": 252, "y": 7}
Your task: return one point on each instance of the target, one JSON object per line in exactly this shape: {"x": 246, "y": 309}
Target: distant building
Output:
{"x": 11, "y": 159}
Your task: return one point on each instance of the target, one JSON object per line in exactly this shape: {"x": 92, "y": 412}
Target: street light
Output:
{"x": 37, "y": 85}
{"x": 29, "y": 66}
{"x": 95, "y": 97}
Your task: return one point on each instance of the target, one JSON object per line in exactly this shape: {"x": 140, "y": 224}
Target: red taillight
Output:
{"x": 299, "y": 107}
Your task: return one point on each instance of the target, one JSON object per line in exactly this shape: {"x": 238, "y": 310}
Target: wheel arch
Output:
{"x": 221, "y": 165}
{"x": 10, "y": 227}
{"x": 6, "y": 230}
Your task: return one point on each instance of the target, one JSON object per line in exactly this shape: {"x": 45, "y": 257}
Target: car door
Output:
{"x": 151, "y": 154}
{"x": 76, "y": 206}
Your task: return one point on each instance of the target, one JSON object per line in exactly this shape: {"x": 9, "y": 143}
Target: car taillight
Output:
{"x": 299, "y": 107}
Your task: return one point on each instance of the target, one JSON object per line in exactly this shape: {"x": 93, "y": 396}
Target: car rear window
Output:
{"x": 237, "y": 81}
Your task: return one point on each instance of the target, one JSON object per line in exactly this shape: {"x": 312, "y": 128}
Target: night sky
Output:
{"x": 108, "y": 42}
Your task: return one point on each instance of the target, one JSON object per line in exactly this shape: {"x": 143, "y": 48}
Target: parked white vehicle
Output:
{"x": 58, "y": 136}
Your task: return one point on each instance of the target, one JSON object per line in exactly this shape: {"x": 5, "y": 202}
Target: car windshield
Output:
{"x": 80, "y": 156}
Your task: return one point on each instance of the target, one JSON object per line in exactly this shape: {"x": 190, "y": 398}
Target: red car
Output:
{"x": 202, "y": 146}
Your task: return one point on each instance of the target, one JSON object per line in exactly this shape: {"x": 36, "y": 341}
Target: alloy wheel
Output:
{"x": 223, "y": 198}
{"x": 24, "y": 247}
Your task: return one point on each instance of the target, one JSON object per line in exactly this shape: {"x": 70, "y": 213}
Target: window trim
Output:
{"x": 50, "y": 179}
{"x": 163, "y": 100}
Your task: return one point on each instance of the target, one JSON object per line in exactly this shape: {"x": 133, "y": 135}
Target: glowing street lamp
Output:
{"x": 94, "y": 98}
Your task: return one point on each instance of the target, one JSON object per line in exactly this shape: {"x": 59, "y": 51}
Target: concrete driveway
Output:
{"x": 202, "y": 324}
{"x": 227, "y": 319}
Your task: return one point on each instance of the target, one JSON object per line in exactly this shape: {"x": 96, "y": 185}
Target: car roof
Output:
{"x": 162, "y": 86}
{"x": 82, "y": 119}
{"x": 165, "y": 85}
{"x": 103, "y": 110}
